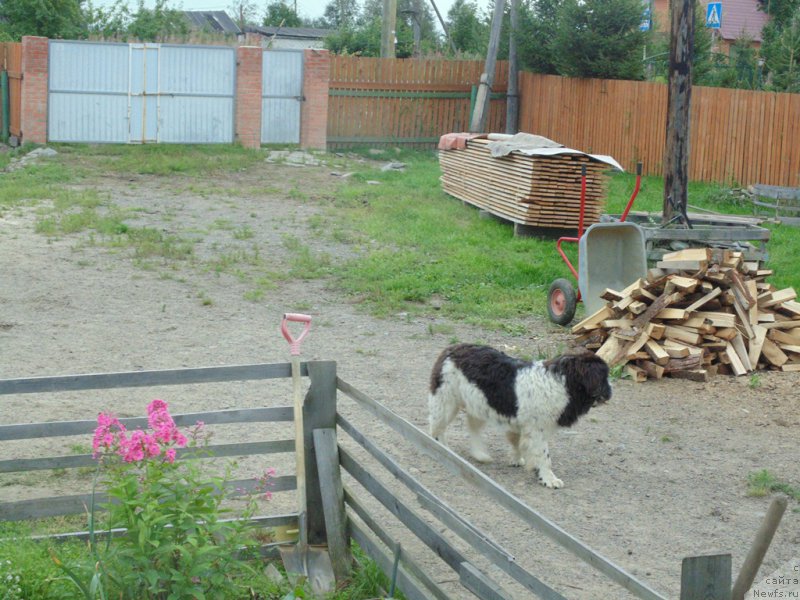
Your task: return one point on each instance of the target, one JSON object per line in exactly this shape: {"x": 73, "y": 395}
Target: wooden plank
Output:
{"x": 691, "y": 374}
{"x": 103, "y": 381}
{"x": 656, "y": 352}
{"x": 475, "y": 537}
{"x": 653, "y": 370}
{"x": 327, "y": 455}
{"x": 458, "y": 466}
{"x": 735, "y": 362}
{"x": 479, "y": 584}
{"x": 36, "y": 508}
{"x": 85, "y": 460}
{"x": 742, "y": 352}
{"x": 682, "y": 335}
{"x": 706, "y": 577}
{"x": 794, "y": 367}
{"x": 70, "y": 428}
{"x": 406, "y": 562}
{"x": 424, "y": 532}
{"x": 773, "y": 353}
{"x": 594, "y": 320}
{"x": 636, "y": 374}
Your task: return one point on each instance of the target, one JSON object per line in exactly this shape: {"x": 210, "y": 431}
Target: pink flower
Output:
{"x": 169, "y": 455}
{"x": 103, "y": 436}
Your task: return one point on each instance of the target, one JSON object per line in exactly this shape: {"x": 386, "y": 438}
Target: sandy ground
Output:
{"x": 657, "y": 474}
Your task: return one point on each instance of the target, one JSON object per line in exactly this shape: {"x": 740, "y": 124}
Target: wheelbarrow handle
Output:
{"x": 294, "y": 343}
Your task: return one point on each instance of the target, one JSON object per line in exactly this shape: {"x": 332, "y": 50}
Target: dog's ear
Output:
{"x": 592, "y": 371}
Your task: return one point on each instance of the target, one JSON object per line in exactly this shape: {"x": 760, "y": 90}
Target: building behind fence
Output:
{"x": 737, "y": 136}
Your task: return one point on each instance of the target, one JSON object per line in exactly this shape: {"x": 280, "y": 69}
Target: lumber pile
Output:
{"x": 539, "y": 191}
{"x": 702, "y": 311}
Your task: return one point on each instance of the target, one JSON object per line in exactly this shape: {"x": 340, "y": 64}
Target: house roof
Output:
{"x": 215, "y": 20}
{"x": 741, "y": 18}
{"x": 300, "y": 33}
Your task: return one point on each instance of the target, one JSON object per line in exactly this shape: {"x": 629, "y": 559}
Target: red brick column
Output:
{"x": 248, "y": 96}
{"x": 314, "y": 115}
{"x": 33, "y": 120}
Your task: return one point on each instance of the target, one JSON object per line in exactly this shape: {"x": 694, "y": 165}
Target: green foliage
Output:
{"x": 761, "y": 483}
{"x": 599, "y": 38}
{"x": 158, "y": 23}
{"x": 279, "y": 14}
{"x": 48, "y": 18}
{"x": 340, "y": 14}
{"x": 536, "y": 50}
{"x": 781, "y": 51}
{"x": 469, "y": 33}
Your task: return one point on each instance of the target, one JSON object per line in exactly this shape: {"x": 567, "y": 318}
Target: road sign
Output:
{"x": 714, "y": 15}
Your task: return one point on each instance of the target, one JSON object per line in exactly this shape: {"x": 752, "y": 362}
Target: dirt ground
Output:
{"x": 657, "y": 474}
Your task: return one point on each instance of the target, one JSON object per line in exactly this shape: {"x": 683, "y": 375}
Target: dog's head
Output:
{"x": 586, "y": 380}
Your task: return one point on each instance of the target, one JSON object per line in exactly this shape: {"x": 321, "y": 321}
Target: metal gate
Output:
{"x": 281, "y": 96}
{"x": 101, "y": 92}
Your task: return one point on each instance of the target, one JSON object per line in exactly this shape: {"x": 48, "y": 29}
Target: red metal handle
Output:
{"x": 294, "y": 343}
{"x": 635, "y": 192}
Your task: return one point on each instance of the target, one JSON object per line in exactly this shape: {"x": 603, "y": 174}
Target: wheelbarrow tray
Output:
{"x": 610, "y": 255}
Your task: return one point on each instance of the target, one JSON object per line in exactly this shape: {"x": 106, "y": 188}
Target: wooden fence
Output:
{"x": 406, "y": 101}
{"x": 336, "y": 513}
{"x": 11, "y": 53}
{"x": 737, "y": 136}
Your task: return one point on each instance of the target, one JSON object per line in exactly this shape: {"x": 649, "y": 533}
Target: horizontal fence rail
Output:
{"x": 736, "y": 136}
{"x": 475, "y": 477}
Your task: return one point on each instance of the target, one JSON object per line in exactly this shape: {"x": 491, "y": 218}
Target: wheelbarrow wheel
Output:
{"x": 561, "y": 302}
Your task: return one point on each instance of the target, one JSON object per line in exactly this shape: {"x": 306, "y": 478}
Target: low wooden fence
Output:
{"x": 406, "y": 101}
{"x": 336, "y": 513}
{"x": 11, "y": 53}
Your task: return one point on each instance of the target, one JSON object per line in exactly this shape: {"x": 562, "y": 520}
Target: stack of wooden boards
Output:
{"x": 539, "y": 191}
{"x": 702, "y": 311}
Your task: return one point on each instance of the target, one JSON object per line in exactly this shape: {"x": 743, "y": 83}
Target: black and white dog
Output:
{"x": 532, "y": 399}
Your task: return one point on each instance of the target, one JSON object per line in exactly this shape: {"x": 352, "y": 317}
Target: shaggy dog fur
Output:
{"x": 532, "y": 399}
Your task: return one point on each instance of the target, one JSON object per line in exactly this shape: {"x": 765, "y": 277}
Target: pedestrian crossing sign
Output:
{"x": 714, "y": 15}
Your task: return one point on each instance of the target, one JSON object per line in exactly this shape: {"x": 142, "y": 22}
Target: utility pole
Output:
{"x": 512, "y": 96}
{"x": 444, "y": 26}
{"x": 389, "y": 28}
{"x": 478, "y": 122}
{"x": 676, "y": 152}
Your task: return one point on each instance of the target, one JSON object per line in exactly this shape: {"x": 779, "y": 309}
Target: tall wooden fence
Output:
{"x": 406, "y": 101}
{"x": 11, "y": 56}
{"x": 737, "y": 136}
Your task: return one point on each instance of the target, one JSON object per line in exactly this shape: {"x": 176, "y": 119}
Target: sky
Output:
{"x": 306, "y": 8}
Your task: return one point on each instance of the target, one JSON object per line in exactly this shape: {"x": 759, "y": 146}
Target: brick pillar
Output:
{"x": 33, "y": 120}
{"x": 314, "y": 115}
{"x": 248, "y": 96}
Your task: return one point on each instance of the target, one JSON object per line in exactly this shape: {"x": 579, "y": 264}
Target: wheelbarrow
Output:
{"x": 610, "y": 255}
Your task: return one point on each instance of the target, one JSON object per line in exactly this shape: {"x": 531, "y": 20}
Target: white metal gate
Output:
{"x": 102, "y": 92}
{"x": 281, "y": 96}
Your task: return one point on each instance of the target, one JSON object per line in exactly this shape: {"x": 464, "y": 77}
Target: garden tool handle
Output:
{"x": 294, "y": 343}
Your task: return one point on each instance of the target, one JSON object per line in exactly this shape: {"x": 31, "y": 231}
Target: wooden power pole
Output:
{"x": 478, "y": 122}
{"x": 676, "y": 152}
{"x": 389, "y": 28}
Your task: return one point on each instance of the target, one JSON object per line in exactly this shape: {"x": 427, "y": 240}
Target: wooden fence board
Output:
{"x": 475, "y": 537}
{"x": 102, "y": 381}
{"x": 472, "y": 475}
{"x": 70, "y": 428}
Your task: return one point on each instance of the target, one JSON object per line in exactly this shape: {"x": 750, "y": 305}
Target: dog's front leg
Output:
{"x": 533, "y": 447}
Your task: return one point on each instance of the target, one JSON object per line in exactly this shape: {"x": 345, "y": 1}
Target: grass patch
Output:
{"x": 762, "y": 483}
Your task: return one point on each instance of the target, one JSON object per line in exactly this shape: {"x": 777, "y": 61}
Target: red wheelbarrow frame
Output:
{"x": 557, "y": 299}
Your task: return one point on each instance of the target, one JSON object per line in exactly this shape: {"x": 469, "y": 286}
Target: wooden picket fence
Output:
{"x": 406, "y": 101}
{"x": 11, "y": 56}
{"x": 339, "y": 511}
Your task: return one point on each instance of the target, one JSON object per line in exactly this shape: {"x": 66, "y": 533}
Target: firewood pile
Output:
{"x": 539, "y": 191}
{"x": 702, "y": 311}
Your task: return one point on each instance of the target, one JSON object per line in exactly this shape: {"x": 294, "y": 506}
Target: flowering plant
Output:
{"x": 174, "y": 545}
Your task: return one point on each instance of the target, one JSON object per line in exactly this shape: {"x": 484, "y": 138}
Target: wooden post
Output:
{"x": 389, "y": 28}
{"x": 478, "y": 122}
{"x": 676, "y": 152}
{"x": 512, "y": 96}
{"x": 444, "y": 27}
{"x": 706, "y": 577}
{"x": 327, "y": 454}
{"x": 759, "y": 548}
{"x": 319, "y": 412}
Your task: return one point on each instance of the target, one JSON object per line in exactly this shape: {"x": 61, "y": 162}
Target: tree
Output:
{"x": 243, "y": 12}
{"x": 535, "y": 48}
{"x": 599, "y": 38}
{"x": 279, "y": 13}
{"x": 340, "y": 14}
{"x": 111, "y": 22}
{"x": 782, "y": 55}
{"x": 157, "y": 24}
{"x": 469, "y": 33}
{"x": 49, "y": 18}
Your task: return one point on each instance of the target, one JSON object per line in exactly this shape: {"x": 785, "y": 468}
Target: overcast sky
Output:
{"x": 306, "y": 8}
